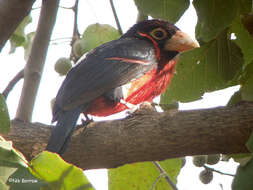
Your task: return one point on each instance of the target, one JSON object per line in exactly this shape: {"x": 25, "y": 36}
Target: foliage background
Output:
{"x": 89, "y": 11}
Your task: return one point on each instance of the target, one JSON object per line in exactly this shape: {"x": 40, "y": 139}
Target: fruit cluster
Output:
{"x": 93, "y": 36}
{"x": 206, "y": 175}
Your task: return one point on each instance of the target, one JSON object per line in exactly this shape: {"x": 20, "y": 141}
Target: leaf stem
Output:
{"x": 217, "y": 171}
{"x": 116, "y": 17}
{"x": 163, "y": 173}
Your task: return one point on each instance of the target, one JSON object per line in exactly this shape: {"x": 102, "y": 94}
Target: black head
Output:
{"x": 158, "y": 30}
{"x": 164, "y": 35}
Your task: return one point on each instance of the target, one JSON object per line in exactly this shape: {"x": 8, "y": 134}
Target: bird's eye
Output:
{"x": 158, "y": 33}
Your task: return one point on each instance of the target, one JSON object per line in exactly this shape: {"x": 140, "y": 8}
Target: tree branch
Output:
{"x": 35, "y": 63}
{"x": 146, "y": 136}
{"x": 76, "y": 34}
{"x": 9, "y": 22}
{"x": 13, "y": 82}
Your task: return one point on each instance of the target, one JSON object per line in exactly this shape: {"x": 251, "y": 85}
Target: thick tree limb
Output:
{"x": 146, "y": 136}
{"x": 36, "y": 60}
{"x": 12, "y": 12}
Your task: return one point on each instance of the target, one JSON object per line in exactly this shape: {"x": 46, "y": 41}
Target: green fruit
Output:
{"x": 97, "y": 34}
{"x": 62, "y": 66}
{"x": 206, "y": 176}
{"x": 213, "y": 159}
{"x": 79, "y": 48}
{"x": 199, "y": 160}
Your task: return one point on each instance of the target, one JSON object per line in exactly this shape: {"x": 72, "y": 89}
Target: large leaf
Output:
{"x": 18, "y": 37}
{"x": 243, "y": 39}
{"x": 3, "y": 186}
{"x": 214, "y": 16}
{"x": 164, "y": 9}
{"x": 5, "y": 172}
{"x": 250, "y": 143}
{"x": 59, "y": 174}
{"x": 243, "y": 179}
{"x": 247, "y": 90}
{"x": 4, "y": 116}
{"x": 143, "y": 175}
{"x": 9, "y": 156}
{"x": 10, "y": 160}
{"x": 235, "y": 98}
{"x": 245, "y": 6}
{"x": 211, "y": 67}
{"x": 97, "y": 34}
{"x": 22, "y": 179}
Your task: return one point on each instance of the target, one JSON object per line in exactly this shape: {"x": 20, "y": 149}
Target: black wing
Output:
{"x": 108, "y": 66}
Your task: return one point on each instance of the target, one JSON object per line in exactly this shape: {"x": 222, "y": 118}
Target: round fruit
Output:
{"x": 62, "y": 66}
{"x": 213, "y": 159}
{"x": 199, "y": 160}
{"x": 206, "y": 176}
{"x": 97, "y": 34}
{"x": 79, "y": 48}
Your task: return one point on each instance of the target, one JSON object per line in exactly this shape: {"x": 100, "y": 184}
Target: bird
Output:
{"x": 144, "y": 58}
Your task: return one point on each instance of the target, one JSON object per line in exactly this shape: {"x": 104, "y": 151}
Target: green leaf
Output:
{"x": 246, "y": 73}
{"x": 245, "y": 6}
{"x": 243, "y": 179}
{"x": 243, "y": 158}
{"x": 164, "y": 9}
{"x": 5, "y": 172}
{"x": 210, "y": 67}
{"x": 214, "y": 16}
{"x": 97, "y": 34}
{"x": 10, "y": 160}
{"x": 243, "y": 39}
{"x": 250, "y": 143}
{"x": 3, "y": 186}
{"x": 143, "y": 175}
{"x": 235, "y": 98}
{"x": 9, "y": 156}
{"x": 58, "y": 173}
{"x": 18, "y": 37}
{"x": 22, "y": 179}
{"x": 247, "y": 89}
{"x": 4, "y": 116}
{"x": 28, "y": 44}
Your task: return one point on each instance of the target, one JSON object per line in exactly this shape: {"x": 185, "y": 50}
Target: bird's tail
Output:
{"x": 62, "y": 132}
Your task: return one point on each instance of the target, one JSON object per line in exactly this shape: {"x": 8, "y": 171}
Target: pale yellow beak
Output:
{"x": 181, "y": 42}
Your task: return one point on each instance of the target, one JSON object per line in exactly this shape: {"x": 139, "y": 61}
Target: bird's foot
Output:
{"x": 143, "y": 109}
{"x": 132, "y": 107}
{"x": 85, "y": 122}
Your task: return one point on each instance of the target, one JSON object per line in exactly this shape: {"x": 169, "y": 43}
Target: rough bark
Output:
{"x": 12, "y": 12}
{"x": 146, "y": 136}
{"x": 34, "y": 67}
